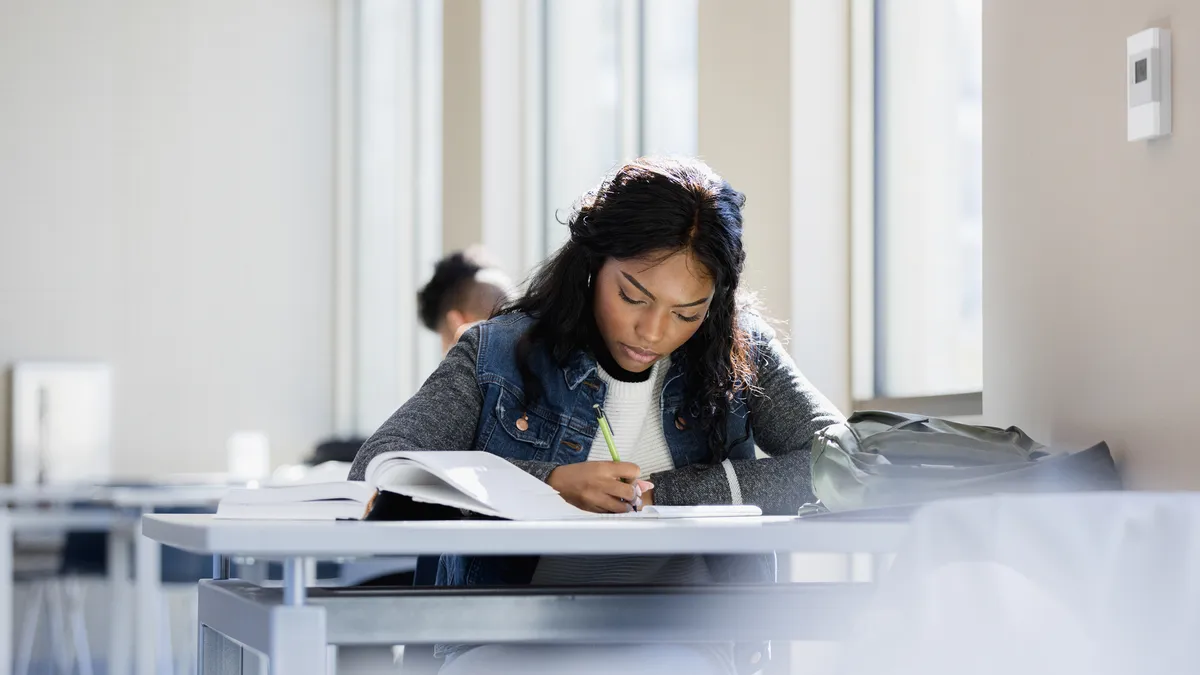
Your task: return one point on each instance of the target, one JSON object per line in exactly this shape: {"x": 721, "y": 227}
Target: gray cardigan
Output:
{"x": 786, "y": 412}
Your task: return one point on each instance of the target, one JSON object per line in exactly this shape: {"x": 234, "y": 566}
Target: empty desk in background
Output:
{"x": 293, "y": 626}
{"x": 148, "y": 603}
{"x": 117, "y": 511}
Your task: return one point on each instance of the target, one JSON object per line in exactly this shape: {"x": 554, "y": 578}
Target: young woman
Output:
{"x": 639, "y": 312}
{"x": 465, "y": 289}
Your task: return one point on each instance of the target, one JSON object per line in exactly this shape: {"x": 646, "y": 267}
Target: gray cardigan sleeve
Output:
{"x": 442, "y": 415}
{"x": 785, "y": 414}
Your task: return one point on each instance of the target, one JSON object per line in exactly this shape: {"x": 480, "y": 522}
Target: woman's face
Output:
{"x": 648, "y": 307}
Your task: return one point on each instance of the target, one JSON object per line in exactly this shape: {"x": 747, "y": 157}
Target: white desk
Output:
{"x": 294, "y": 627}
{"x": 46, "y": 509}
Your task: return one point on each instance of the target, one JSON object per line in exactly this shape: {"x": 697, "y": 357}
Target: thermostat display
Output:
{"x": 1148, "y": 82}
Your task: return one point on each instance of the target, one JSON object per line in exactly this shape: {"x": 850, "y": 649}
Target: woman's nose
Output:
{"x": 651, "y": 327}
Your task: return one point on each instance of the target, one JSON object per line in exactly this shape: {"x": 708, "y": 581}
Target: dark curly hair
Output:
{"x": 457, "y": 284}
{"x": 651, "y": 206}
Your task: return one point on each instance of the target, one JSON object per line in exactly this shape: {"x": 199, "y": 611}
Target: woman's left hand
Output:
{"x": 647, "y": 493}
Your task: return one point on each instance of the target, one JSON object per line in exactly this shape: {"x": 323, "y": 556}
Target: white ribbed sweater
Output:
{"x": 632, "y": 410}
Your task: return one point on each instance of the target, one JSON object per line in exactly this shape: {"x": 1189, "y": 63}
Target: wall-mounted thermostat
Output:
{"x": 1148, "y": 83}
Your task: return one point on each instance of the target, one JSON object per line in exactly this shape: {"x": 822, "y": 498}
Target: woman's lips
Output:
{"x": 639, "y": 355}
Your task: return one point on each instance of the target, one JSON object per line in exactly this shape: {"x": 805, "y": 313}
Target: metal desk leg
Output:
{"x": 6, "y": 594}
{"x": 295, "y": 582}
{"x": 298, "y": 644}
{"x": 206, "y": 637}
{"x": 235, "y": 630}
{"x": 149, "y": 599}
{"x": 215, "y": 653}
{"x": 221, "y": 567}
{"x": 120, "y": 541}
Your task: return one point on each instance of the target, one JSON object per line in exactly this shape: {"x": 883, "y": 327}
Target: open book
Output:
{"x": 475, "y": 482}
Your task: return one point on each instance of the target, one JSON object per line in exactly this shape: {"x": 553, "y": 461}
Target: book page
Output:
{"x": 443, "y": 494}
{"x": 490, "y": 485}
{"x": 291, "y": 494}
{"x": 478, "y": 481}
{"x": 331, "y": 509}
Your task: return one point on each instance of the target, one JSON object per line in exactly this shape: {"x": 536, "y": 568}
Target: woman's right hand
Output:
{"x": 596, "y": 486}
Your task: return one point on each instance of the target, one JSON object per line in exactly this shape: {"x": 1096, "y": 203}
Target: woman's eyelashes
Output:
{"x": 681, "y": 317}
{"x": 628, "y": 299}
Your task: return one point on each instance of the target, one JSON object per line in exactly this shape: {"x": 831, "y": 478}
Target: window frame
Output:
{"x": 866, "y": 331}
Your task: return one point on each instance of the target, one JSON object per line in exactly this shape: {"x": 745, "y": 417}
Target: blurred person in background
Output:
{"x": 466, "y": 286}
{"x": 465, "y": 289}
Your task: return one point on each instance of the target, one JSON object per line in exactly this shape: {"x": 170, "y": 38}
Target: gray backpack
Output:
{"x": 881, "y": 459}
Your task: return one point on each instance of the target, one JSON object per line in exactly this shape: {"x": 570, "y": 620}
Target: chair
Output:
{"x": 61, "y": 592}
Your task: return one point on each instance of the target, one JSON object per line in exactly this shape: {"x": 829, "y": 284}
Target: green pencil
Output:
{"x": 612, "y": 451}
{"x": 607, "y": 431}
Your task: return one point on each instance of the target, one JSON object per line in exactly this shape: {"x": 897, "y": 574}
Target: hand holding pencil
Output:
{"x": 602, "y": 487}
{"x": 640, "y": 487}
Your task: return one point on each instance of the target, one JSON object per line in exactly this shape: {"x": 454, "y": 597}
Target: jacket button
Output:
{"x": 680, "y": 423}
{"x": 523, "y": 423}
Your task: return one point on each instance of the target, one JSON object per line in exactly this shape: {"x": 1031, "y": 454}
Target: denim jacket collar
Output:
{"x": 578, "y": 367}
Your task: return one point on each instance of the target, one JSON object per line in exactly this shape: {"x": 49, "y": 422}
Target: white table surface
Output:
{"x": 166, "y": 496}
{"x": 333, "y": 539}
{"x": 22, "y": 495}
{"x": 147, "y": 497}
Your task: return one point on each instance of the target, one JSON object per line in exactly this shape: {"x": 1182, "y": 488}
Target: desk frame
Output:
{"x": 296, "y": 628}
{"x": 295, "y": 636}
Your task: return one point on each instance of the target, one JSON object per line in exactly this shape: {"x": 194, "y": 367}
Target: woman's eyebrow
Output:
{"x": 650, "y": 295}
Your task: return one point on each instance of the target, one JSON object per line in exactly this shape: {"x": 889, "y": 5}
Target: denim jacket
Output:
{"x": 559, "y": 428}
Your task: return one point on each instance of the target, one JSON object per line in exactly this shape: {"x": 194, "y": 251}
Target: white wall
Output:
{"x": 1090, "y": 242}
{"x": 744, "y": 88}
{"x": 462, "y": 125}
{"x": 166, "y": 203}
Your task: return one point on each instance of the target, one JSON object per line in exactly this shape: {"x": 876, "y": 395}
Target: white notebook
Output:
{"x": 478, "y": 482}
{"x": 700, "y": 511}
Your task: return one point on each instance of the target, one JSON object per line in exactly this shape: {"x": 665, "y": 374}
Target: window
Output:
{"x": 918, "y": 71}
{"x": 583, "y": 109}
{"x": 670, "y": 59}
{"x": 602, "y": 81}
{"x": 389, "y": 194}
{"x": 620, "y": 81}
